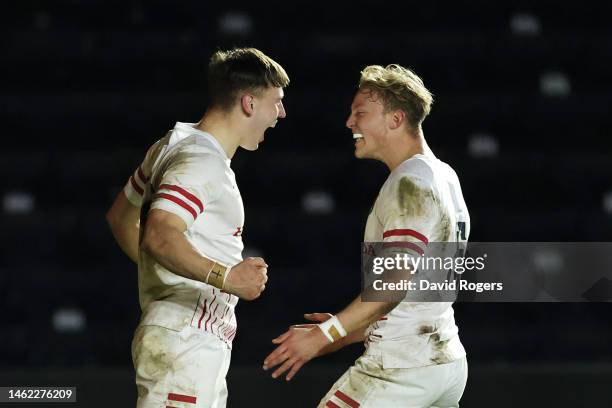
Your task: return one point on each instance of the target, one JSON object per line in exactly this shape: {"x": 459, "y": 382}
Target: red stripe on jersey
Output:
{"x": 212, "y": 326}
{"x": 180, "y": 202}
{"x": 227, "y": 330}
{"x": 203, "y": 313}
{"x": 346, "y": 399}
{"x": 404, "y": 232}
{"x": 214, "y": 313}
{"x": 409, "y": 245}
{"x": 182, "y": 398}
{"x": 330, "y": 404}
{"x": 138, "y": 189}
{"x": 168, "y": 406}
{"x": 231, "y": 334}
{"x": 185, "y": 194}
{"x": 210, "y": 312}
{"x": 221, "y": 324}
{"x": 383, "y": 318}
{"x": 141, "y": 175}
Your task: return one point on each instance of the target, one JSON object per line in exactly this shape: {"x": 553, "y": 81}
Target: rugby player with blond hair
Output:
{"x": 413, "y": 355}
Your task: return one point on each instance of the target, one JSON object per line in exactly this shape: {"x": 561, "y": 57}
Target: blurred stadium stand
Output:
{"x": 522, "y": 112}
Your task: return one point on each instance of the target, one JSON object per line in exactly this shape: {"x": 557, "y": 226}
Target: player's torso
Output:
{"x": 422, "y": 195}
{"x": 170, "y": 300}
{"x": 217, "y": 231}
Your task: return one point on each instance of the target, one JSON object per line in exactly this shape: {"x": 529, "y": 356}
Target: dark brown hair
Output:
{"x": 241, "y": 69}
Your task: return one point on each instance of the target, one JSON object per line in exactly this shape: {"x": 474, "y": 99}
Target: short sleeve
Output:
{"x": 189, "y": 184}
{"x": 136, "y": 185}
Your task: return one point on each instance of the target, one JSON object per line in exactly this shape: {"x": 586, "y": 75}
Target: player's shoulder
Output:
{"x": 424, "y": 170}
{"x": 157, "y": 148}
{"x": 194, "y": 147}
{"x": 189, "y": 159}
{"x": 185, "y": 143}
{"x": 419, "y": 169}
{"x": 198, "y": 159}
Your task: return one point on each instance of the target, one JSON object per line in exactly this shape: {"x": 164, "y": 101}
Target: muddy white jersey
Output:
{"x": 188, "y": 173}
{"x": 420, "y": 203}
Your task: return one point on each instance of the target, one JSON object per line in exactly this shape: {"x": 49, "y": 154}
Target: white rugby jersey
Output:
{"x": 420, "y": 203}
{"x": 188, "y": 173}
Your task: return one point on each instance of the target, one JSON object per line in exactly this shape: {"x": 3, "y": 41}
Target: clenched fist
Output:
{"x": 247, "y": 279}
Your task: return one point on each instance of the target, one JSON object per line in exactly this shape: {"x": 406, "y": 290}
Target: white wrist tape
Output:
{"x": 333, "y": 329}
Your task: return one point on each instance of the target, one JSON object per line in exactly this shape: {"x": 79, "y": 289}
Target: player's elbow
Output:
{"x": 153, "y": 241}
{"x": 161, "y": 234}
{"x": 112, "y": 220}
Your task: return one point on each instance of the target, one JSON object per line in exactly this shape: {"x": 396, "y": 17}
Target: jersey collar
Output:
{"x": 192, "y": 129}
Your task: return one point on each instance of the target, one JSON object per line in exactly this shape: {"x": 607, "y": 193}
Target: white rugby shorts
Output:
{"x": 367, "y": 384}
{"x": 179, "y": 369}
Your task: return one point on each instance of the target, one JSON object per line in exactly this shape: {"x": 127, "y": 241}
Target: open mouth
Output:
{"x": 357, "y": 136}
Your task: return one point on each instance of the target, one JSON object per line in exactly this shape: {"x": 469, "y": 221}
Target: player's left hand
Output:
{"x": 296, "y": 347}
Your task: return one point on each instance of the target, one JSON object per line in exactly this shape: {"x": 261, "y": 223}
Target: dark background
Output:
{"x": 87, "y": 86}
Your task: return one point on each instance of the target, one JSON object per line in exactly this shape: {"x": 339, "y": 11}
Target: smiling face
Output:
{"x": 368, "y": 119}
{"x": 267, "y": 108}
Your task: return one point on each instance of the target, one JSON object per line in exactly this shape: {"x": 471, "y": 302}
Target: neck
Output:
{"x": 416, "y": 145}
{"x": 224, "y": 128}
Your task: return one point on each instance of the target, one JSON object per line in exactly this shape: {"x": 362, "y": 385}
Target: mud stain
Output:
{"x": 415, "y": 201}
{"x": 367, "y": 375}
{"x": 426, "y": 330}
{"x": 440, "y": 350}
{"x": 157, "y": 359}
{"x": 155, "y": 353}
{"x": 412, "y": 199}
{"x": 442, "y": 233}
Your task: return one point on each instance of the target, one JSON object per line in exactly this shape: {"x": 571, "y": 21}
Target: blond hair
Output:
{"x": 399, "y": 88}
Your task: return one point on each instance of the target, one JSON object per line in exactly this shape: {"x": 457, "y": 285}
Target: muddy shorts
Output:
{"x": 181, "y": 369}
{"x": 366, "y": 384}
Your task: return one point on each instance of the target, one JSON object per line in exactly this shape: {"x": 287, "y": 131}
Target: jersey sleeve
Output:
{"x": 135, "y": 187}
{"x": 189, "y": 184}
{"x": 408, "y": 213}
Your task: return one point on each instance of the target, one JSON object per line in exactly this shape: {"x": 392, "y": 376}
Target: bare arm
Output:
{"x": 361, "y": 314}
{"x": 164, "y": 240}
{"x": 124, "y": 218}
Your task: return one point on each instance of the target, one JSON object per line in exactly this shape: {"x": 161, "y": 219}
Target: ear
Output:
{"x": 396, "y": 119}
{"x": 246, "y": 102}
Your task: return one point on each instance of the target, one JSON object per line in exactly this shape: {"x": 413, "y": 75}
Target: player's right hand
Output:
{"x": 313, "y": 317}
{"x": 247, "y": 279}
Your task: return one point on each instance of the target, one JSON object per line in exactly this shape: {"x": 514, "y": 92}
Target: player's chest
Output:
{"x": 225, "y": 214}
